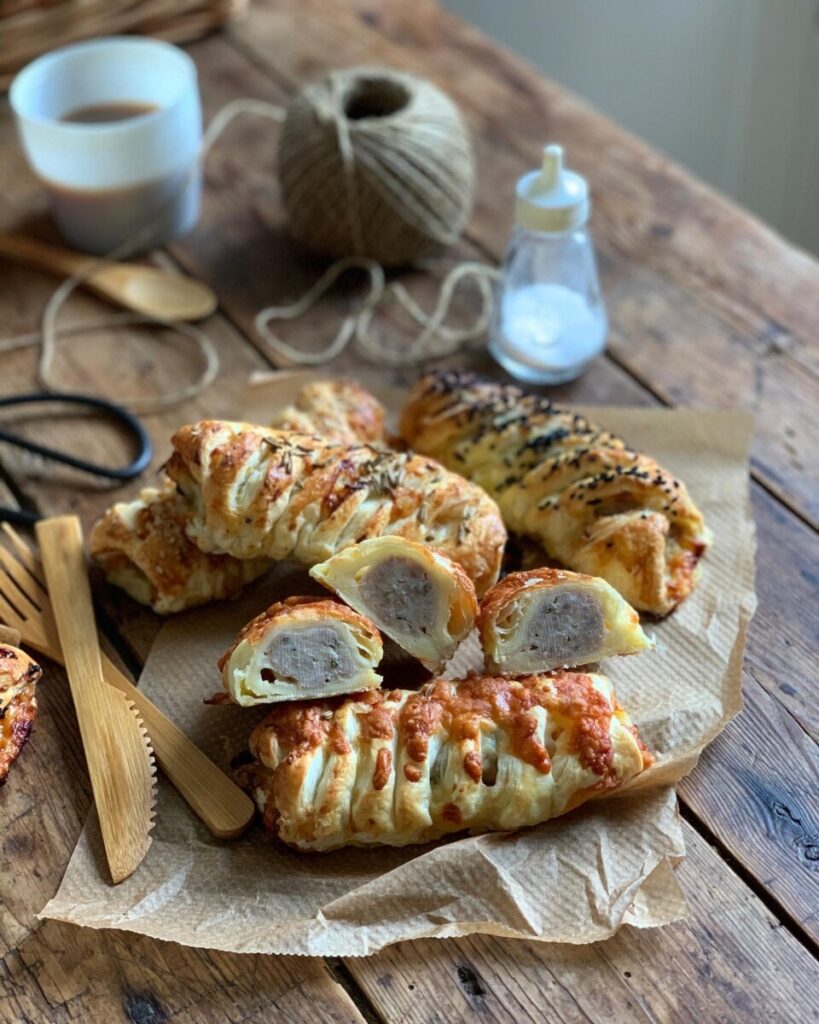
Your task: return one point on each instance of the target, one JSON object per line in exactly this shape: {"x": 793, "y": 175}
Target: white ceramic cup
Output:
{"x": 109, "y": 181}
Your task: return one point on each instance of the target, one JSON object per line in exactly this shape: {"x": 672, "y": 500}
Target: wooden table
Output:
{"x": 708, "y": 308}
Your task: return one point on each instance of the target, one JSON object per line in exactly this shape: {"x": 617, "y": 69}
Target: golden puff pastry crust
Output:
{"x": 19, "y": 676}
{"x": 418, "y": 597}
{"x": 543, "y": 619}
{"x": 302, "y": 647}
{"x": 263, "y": 493}
{"x": 338, "y": 410}
{"x": 595, "y": 505}
{"x": 143, "y": 548}
{"x": 397, "y": 767}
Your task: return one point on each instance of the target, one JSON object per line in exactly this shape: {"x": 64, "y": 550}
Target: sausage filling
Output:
{"x": 401, "y": 596}
{"x": 568, "y": 625}
{"x": 311, "y": 657}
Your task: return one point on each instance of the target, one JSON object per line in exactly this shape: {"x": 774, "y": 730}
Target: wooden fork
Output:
{"x": 24, "y": 606}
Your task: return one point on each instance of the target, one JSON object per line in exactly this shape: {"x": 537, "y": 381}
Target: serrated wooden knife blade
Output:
{"x": 119, "y": 756}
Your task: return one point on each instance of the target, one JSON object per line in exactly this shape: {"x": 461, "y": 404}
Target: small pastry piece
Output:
{"x": 416, "y": 596}
{"x": 18, "y": 704}
{"x": 142, "y": 547}
{"x": 337, "y": 410}
{"x": 547, "y": 618}
{"x": 302, "y": 647}
{"x": 595, "y": 505}
{"x": 262, "y": 493}
{"x": 397, "y": 767}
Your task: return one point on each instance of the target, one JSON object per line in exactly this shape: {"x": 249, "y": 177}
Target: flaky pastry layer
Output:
{"x": 337, "y": 410}
{"x": 142, "y": 547}
{"x": 399, "y": 767}
{"x": 19, "y": 676}
{"x": 263, "y": 493}
{"x": 595, "y": 505}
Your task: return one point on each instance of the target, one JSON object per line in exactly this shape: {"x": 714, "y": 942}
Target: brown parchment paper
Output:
{"x": 575, "y": 879}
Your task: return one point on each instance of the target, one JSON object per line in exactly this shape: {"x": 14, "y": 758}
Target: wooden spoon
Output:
{"x": 147, "y": 290}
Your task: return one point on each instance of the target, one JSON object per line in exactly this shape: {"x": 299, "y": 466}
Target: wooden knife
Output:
{"x": 119, "y": 756}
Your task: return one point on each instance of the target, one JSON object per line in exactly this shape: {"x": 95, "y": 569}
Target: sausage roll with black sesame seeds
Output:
{"x": 256, "y": 493}
{"x": 302, "y": 647}
{"x": 19, "y": 676}
{"x": 143, "y": 548}
{"x": 416, "y": 596}
{"x": 398, "y": 767}
{"x": 544, "y": 619}
{"x": 595, "y": 505}
{"x": 338, "y": 410}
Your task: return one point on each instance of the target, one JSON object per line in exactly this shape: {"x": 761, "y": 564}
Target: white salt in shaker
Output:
{"x": 549, "y": 320}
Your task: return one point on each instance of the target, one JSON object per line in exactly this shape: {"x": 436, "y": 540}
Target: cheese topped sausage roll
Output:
{"x": 593, "y": 503}
{"x": 18, "y": 704}
{"x": 339, "y": 410}
{"x": 263, "y": 493}
{"x": 302, "y": 647}
{"x": 547, "y": 618}
{"x": 142, "y": 547}
{"x": 397, "y": 767}
{"x": 416, "y": 596}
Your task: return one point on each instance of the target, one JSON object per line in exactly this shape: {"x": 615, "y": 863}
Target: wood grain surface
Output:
{"x": 685, "y": 271}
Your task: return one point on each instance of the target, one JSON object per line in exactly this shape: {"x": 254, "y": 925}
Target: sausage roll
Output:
{"x": 263, "y": 493}
{"x": 142, "y": 547}
{"x": 338, "y": 410}
{"x": 416, "y": 596}
{"x": 546, "y": 618}
{"x": 397, "y": 767}
{"x": 595, "y": 505}
{"x": 302, "y": 647}
{"x": 18, "y": 704}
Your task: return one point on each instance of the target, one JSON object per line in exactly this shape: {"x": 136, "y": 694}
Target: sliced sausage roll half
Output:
{"x": 302, "y": 647}
{"x": 416, "y": 596}
{"x": 543, "y": 619}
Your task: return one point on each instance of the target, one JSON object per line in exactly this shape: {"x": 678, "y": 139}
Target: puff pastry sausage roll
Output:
{"x": 263, "y": 493}
{"x": 399, "y": 767}
{"x": 142, "y": 547}
{"x": 546, "y": 618}
{"x": 416, "y": 596}
{"x": 338, "y": 410}
{"x": 18, "y": 704}
{"x": 302, "y": 647}
{"x": 595, "y": 505}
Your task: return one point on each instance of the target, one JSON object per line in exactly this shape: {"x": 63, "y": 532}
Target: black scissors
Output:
{"x": 23, "y": 517}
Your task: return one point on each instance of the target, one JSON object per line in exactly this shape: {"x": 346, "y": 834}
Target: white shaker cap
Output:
{"x": 552, "y": 198}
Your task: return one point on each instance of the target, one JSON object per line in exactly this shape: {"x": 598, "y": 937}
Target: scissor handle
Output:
{"x": 117, "y": 412}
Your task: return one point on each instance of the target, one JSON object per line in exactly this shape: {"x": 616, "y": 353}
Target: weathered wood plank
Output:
{"x": 730, "y": 962}
{"x": 684, "y": 270}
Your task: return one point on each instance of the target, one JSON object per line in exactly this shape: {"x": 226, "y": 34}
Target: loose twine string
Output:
{"x": 435, "y": 339}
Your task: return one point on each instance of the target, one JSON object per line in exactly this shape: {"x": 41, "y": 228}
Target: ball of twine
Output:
{"x": 375, "y": 163}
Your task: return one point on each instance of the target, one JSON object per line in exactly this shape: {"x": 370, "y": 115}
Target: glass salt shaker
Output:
{"x": 549, "y": 320}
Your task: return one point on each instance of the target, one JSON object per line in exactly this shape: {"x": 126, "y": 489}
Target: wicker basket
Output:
{"x": 31, "y": 27}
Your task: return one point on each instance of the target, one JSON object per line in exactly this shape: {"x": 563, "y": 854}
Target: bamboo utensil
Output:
{"x": 147, "y": 290}
{"x": 119, "y": 758}
{"x": 24, "y": 605}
